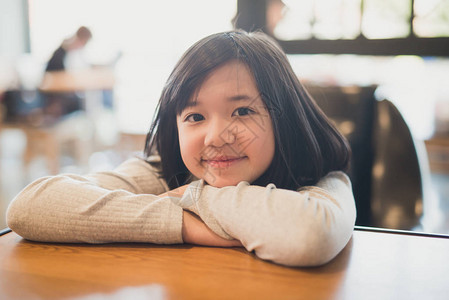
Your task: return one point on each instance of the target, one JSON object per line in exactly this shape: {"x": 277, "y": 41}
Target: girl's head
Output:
{"x": 233, "y": 110}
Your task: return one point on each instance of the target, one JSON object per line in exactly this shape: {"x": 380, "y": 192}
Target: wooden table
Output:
{"x": 78, "y": 81}
{"x": 374, "y": 265}
{"x": 90, "y": 82}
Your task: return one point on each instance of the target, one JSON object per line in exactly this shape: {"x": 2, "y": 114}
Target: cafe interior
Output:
{"x": 378, "y": 68}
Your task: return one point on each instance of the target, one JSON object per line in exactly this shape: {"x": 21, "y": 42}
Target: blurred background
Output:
{"x": 378, "y": 68}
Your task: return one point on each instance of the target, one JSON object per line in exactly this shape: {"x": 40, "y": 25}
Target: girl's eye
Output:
{"x": 243, "y": 111}
{"x": 194, "y": 118}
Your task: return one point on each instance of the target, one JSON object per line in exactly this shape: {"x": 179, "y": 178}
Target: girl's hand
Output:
{"x": 194, "y": 231}
{"x": 178, "y": 192}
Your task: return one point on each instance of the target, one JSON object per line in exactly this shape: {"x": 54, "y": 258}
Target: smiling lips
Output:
{"x": 223, "y": 161}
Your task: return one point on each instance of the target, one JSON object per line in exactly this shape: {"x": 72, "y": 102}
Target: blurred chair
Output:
{"x": 385, "y": 166}
{"x": 45, "y": 107}
{"x": 22, "y": 110}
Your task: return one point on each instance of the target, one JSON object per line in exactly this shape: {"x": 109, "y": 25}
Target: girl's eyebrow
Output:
{"x": 192, "y": 104}
{"x": 241, "y": 98}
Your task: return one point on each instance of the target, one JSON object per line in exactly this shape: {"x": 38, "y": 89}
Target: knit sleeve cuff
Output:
{"x": 195, "y": 200}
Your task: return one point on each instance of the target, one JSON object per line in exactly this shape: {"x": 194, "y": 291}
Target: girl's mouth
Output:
{"x": 223, "y": 161}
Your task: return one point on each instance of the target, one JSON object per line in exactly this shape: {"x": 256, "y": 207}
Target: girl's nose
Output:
{"x": 219, "y": 133}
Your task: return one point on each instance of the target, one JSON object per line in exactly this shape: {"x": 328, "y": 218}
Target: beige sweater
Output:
{"x": 304, "y": 228}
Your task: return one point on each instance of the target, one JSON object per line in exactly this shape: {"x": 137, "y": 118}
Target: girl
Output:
{"x": 238, "y": 155}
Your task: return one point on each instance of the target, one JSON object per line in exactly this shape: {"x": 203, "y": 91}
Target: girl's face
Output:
{"x": 225, "y": 132}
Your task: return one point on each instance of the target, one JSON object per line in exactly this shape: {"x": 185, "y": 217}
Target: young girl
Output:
{"x": 238, "y": 155}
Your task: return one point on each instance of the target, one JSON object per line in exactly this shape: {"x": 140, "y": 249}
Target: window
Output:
{"x": 370, "y": 27}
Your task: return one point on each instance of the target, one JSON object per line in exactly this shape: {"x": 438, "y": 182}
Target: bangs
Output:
{"x": 188, "y": 90}
{"x": 196, "y": 64}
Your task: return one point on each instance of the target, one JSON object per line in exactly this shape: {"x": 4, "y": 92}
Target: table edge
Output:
{"x": 5, "y": 231}
{"x": 402, "y": 232}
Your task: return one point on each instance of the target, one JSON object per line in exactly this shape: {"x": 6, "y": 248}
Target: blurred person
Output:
{"x": 57, "y": 105}
{"x": 76, "y": 42}
{"x": 274, "y": 13}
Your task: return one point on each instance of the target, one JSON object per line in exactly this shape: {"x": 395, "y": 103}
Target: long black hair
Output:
{"x": 307, "y": 145}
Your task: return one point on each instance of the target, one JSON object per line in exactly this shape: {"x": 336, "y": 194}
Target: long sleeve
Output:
{"x": 56, "y": 62}
{"x": 117, "y": 206}
{"x": 308, "y": 227}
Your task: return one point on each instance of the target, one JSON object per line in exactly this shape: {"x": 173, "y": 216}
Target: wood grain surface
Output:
{"x": 374, "y": 265}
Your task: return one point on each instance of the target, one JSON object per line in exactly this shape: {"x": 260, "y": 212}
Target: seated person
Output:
{"x": 57, "y": 105}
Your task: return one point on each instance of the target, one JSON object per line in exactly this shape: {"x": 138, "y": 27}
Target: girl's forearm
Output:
{"x": 104, "y": 207}
{"x": 305, "y": 228}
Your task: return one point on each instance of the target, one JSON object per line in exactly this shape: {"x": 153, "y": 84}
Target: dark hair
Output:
{"x": 307, "y": 145}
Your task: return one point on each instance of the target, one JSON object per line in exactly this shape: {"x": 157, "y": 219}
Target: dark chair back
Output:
{"x": 385, "y": 170}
